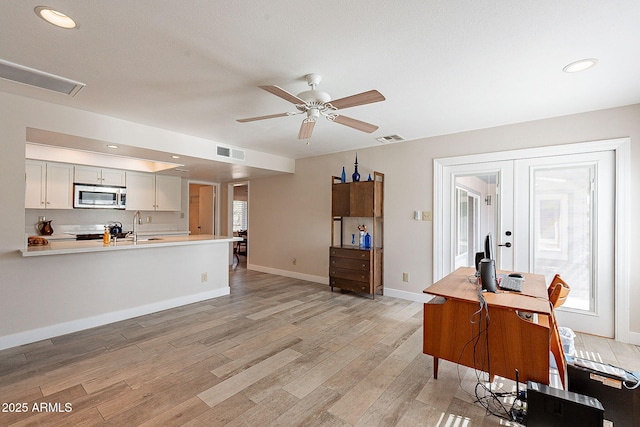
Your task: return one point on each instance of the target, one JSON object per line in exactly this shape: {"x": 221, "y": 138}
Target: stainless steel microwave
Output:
{"x": 98, "y": 197}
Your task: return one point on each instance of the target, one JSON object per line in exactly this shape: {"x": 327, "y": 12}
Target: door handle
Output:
{"x": 508, "y": 244}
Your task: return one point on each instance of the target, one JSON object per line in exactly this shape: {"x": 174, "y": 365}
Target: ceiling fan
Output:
{"x": 316, "y": 103}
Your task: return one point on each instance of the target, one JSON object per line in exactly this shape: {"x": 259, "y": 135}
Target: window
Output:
{"x": 239, "y": 215}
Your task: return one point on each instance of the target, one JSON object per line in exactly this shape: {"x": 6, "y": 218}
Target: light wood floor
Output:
{"x": 277, "y": 351}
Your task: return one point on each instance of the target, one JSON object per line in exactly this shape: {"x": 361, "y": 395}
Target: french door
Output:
{"x": 547, "y": 214}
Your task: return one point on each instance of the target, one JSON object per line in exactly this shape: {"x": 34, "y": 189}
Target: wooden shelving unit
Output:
{"x": 352, "y": 267}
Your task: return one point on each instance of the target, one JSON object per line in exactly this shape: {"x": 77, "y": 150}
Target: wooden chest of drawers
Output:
{"x": 354, "y": 269}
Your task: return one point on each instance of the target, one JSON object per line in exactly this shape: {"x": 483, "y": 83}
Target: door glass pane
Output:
{"x": 562, "y": 235}
{"x": 462, "y": 220}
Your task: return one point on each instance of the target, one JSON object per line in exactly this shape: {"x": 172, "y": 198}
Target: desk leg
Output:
{"x": 435, "y": 368}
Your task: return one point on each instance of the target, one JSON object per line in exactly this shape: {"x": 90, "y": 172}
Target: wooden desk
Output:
{"x": 455, "y": 328}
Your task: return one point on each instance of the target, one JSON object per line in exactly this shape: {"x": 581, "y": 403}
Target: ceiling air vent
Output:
{"x": 230, "y": 153}
{"x": 29, "y": 76}
{"x": 390, "y": 138}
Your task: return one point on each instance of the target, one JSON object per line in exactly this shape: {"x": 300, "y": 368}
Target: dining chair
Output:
{"x": 558, "y": 291}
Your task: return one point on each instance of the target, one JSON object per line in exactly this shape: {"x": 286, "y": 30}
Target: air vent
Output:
{"x": 223, "y": 151}
{"x": 29, "y": 76}
{"x": 230, "y": 153}
{"x": 390, "y": 138}
{"x": 237, "y": 154}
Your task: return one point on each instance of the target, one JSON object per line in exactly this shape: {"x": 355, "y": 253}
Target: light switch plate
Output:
{"x": 427, "y": 216}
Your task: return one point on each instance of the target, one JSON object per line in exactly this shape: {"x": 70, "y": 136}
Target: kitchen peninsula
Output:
{"x": 79, "y": 246}
{"x": 79, "y": 285}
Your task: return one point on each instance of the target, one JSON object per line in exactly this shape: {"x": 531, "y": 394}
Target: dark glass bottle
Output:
{"x": 356, "y": 175}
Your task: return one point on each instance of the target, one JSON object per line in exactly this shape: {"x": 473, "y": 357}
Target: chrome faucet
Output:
{"x": 137, "y": 219}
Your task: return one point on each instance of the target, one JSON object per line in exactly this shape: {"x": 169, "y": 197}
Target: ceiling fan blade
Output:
{"x": 278, "y": 91}
{"x": 270, "y": 116}
{"x": 356, "y": 124}
{"x": 359, "y": 99}
{"x": 306, "y": 128}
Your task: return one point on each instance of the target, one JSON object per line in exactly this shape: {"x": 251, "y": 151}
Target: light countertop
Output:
{"x": 61, "y": 247}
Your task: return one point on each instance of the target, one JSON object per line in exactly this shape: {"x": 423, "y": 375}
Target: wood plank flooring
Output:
{"x": 276, "y": 352}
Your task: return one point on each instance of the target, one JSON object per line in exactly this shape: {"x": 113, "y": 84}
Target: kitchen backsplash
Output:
{"x": 65, "y": 219}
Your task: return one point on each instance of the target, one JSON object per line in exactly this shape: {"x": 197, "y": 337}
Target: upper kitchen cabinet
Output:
{"x": 149, "y": 192}
{"x": 48, "y": 185}
{"x": 99, "y": 176}
{"x": 168, "y": 193}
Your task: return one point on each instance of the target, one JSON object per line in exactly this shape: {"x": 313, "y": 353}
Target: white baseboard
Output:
{"x": 634, "y": 338}
{"x": 410, "y": 296}
{"x": 51, "y": 331}
{"x": 286, "y": 273}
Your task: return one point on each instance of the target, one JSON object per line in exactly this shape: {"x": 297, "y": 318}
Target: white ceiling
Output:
{"x": 194, "y": 66}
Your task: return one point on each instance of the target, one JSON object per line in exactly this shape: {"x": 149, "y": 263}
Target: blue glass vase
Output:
{"x": 356, "y": 175}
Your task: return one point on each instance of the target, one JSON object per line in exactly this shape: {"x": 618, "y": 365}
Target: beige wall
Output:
{"x": 290, "y": 214}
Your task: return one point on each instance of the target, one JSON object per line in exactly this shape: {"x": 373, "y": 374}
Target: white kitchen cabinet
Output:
{"x": 168, "y": 193}
{"x": 99, "y": 176}
{"x": 48, "y": 185}
{"x": 149, "y": 192}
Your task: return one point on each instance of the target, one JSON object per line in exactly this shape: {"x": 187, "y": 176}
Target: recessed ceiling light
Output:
{"x": 54, "y": 17}
{"x": 112, "y": 146}
{"x": 583, "y": 64}
{"x": 175, "y": 157}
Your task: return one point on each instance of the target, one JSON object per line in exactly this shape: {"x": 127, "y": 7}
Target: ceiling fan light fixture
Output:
{"x": 55, "y": 17}
{"x": 315, "y": 96}
{"x": 581, "y": 65}
{"x": 318, "y": 103}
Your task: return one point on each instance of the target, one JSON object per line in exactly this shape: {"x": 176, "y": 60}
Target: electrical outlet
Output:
{"x": 203, "y": 277}
{"x": 148, "y": 219}
{"x": 405, "y": 277}
{"x": 41, "y": 218}
{"x": 181, "y": 214}
{"x": 294, "y": 261}
{"x": 427, "y": 216}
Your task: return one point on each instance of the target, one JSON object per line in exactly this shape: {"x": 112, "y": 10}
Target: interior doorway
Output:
{"x": 202, "y": 208}
{"x": 240, "y": 219}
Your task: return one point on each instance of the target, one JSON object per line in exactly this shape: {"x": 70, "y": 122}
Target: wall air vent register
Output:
{"x": 230, "y": 153}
